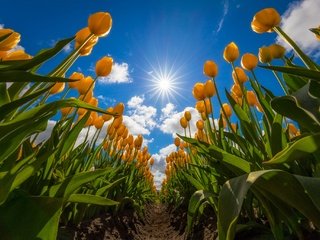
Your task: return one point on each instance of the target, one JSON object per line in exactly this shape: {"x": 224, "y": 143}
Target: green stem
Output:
{"x": 279, "y": 81}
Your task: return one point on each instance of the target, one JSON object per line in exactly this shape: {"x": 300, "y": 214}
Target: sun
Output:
{"x": 165, "y": 82}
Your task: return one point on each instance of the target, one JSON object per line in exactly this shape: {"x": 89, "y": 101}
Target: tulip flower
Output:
{"x": 16, "y": 55}
{"x": 184, "y": 122}
{"x": 265, "y": 20}
{"x": 177, "y": 142}
{"x": 249, "y": 61}
{"x": 98, "y": 122}
{"x": 81, "y": 37}
{"x": 104, "y": 66}
{"x": 100, "y": 23}
{"x": 239, "y": 76}
{"x": 57, "y": 88}
{"x": 227, "y": 109}
{"x": 187, "y": 115}
{"x": 107, "y": 117}
{"x": 235, "y": 89}
{"x": 209, "y": 89}
{"x": 198, "y": 91}
{"x": 210, "y": 68}
{"x": 277, "y": 51}
{"x": 75, "y": 76}
{"x": 251, "y": 98}
{"x": 118, "y": 109}
{"x": 231, "y": 52}
{"x": 200, "y": 124}
{"x": 12, "y": 39}
{"x": 85, "y": 85}
{"x": 265, "y": 55}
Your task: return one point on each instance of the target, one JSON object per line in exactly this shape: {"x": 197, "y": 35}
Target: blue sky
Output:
{"x": 150, "y": 36}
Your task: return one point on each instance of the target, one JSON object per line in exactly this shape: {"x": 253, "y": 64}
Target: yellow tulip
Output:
{"x": 117, "y": 122}
{"x": 85, "y": 85}
{"x": 236, "y": 90}
{"x": 200, "y": 106}
{"x": 249, "y": 61}
{"x": 210, "y": 68}
{"x": 94, "y": 102}
{"x": 75, "y": 76}
{"x": 265, "y": 55}
{"x": 251, "y": 98}
{"x": 119, "y": 109}
{"x": 239, "y": 76}
{"x": 231, "y": 52}
{"x": 292, "y": 129}
{"x": 200, "y": 125}
{"x": 100, "y": 23}
{"x": 81, "y": 37}
{"x": 104, "y": 66}
{"x": 277, "y": 51}
{"x": 66, "y": 110}
{"x": 10, "y": 41}
{"x": 183, "y": 122}
{"x": 187, "y": 115}
{"x": 107, "y": 117}
{"x": 265, "y": 20}
{"x": 234, "y": 127}
{"x": 177, "y": 142}
{"x": 86, "y": 98}
{"x": 227, "y": 109}
{"x": 16, "y": 55}
{"x": 98, "y": 122}
{"x": 209, "y": 89}
{"x": 198, "y": 91}
{"x": 57, "y": 88}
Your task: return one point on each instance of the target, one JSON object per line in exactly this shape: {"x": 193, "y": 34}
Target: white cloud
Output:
{"x": 140, "y": 118}
{"x": 171, "y": 124}
{"x": 225, "y": 12}
{"x": 1, "y": 26}
{"x": 119, "y": 74}
{"x": 106, "y": 100}
{"x": 167, "y": 111}
{"x": 67, "y": 48}
{"x": 47, "y": 133}
{"x": 296, "y": 22}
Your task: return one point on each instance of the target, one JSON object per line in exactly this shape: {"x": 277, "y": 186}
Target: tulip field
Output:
{"x": 252, "y": 169}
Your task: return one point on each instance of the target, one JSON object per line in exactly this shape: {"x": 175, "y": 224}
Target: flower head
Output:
{"x": 265, "y": 20}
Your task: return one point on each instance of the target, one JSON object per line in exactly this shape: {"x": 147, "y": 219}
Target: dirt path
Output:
{"x": 158, "y": 223}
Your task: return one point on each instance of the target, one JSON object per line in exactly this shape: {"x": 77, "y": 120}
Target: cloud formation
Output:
{"x": 119, "y": 74}
{"x": 296, "y": 22}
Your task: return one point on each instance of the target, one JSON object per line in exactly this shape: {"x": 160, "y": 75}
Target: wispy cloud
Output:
{"x": 119, "y": 74}
{"x": 296, "y": 22}
{"x": 225, "y": 12}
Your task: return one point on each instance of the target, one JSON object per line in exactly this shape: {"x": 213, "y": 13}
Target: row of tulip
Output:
{"x": 63, "y": 178}
{"x": 256, "y": 161}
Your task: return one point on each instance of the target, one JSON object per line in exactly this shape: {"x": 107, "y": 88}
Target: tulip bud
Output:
{"x": 85, "y": 85}
{"x": 251, "y": 97}
{"x": 210, "y": 68}
{"x": 94, "y": 102}
{"x": 16, "y": 55}
{"x": 107, "y": 117}
{"x": 118, "y": 109}
{"x": 200, "y": 106}
{"x": 87, "y": 97}
{"x": 234, "y": 127}
{"x": 183, "y": 122}
{"x": 104, "y": 66}
{"x": 235, "y": 89}
{"x": 265, "y": 55}
{"x": 100, "y": 23}
{"x": 209, "y": 89}
{"x": 66, "y": 110}
{"x": 10, "y": 41}
{"x": 208, "y": 106}
{"x": 198, "y": 91}
{"x": 203, "y": 116}
{"x": 200, "y": 125}
{"x": 98, "y": 122}
{"x": 292, "y": 129}
{"x": 249, "y": 61}
{"x": 227, "y": 109}
{"x": 117, "y": 122}
{"x": 75, "y": 76}
{"x": 81, "y": 37}
{"x": 187, "y": 115}
{"x": 265, "y": 20}
{"x": 277, "y": 51}
{"x": 177, "y": 142}
{"x": 57, "y": 88}
{"x": 231, "y": 52}
{"x": 239, "y": 76}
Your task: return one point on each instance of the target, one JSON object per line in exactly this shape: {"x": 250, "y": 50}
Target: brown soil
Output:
{"x": 158, "y": 223}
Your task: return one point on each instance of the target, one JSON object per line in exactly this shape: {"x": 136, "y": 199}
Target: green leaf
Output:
{"x": 110, "y": 186}
{"x": 4, "y": 95}
{"x": 23, "y": 76}
{"x": 314, "y": 89}
{"x": 91, "y": 199}
{"x": 296, "y": 71}
{"x": 289, "y": 107}
{"x": 72, "y": 183}
{"x": 294, "y": 82}
{"x": 30, "y": 218}
{"x": 194, "y": 203}
{"x": 40, "y": 58}
{"x": 299, "y": 149}
{"x": 298, "y": 192}
{"x": 277, "y": 135}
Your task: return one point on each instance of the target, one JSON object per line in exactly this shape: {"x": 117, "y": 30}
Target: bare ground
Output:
{"x": 158, "y": 223}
